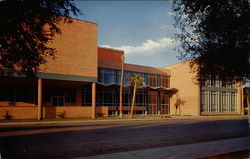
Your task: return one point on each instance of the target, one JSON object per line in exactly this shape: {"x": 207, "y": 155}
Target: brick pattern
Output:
{"x": 30, "y": 112}
{"x": 76, "y": 50}
{"x": 20, "y": 112}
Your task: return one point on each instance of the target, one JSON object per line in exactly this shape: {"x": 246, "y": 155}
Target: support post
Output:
{"x": 39, "y": 100}
{"x": 242, "y": 99}
{"x": 93, "y": 100}
{"x": 158, "y": 103}
{"x": 121, "y": 85}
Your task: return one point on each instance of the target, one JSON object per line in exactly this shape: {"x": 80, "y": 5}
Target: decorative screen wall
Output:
{"x": 218, "y": 96}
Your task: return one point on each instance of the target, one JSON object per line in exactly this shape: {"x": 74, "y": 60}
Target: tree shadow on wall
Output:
{"x": 179, "y": 102}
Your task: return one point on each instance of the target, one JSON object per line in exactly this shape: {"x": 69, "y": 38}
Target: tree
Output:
{"x": 215, "y": 37}
{"x": 26, "y": 26}
{"x": 247, "y": 98}
{"x": 121, "y": 84}
{"x": 135, "y": 81}
{"x": 178, "y": 104}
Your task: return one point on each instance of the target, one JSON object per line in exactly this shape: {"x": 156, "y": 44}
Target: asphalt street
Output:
{"x": 72, "y": 140}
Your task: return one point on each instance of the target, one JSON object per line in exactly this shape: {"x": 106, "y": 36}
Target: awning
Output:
{"x": 160, "y": 88}
{"x": 144, "y": 87}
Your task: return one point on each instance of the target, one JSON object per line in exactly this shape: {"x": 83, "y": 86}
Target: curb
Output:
{"x": 122, "y": 120}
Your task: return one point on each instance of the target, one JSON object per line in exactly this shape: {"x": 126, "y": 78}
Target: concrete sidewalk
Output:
{"x": 120, "y": 120}
{"x": 188, "y": 151}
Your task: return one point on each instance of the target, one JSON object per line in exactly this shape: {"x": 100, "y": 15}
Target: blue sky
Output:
{"x": 143, "y": 29}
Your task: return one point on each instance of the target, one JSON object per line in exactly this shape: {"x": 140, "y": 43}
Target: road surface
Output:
{"x": 71, "y": 140}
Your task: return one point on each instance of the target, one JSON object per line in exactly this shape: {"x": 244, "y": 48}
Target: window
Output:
{"x": 216, "y": 101}
{"x": 213, "y": 101}
{"x": 164, "y": 99}
{"x": 165, "y": 81}
{"x": 140, "y": 99}
{"x": 204, "y": 103}
{"x": 86, "y": 98}
{"x": 107, "y": 76}
{"x": 126, "y": 78}
{"x": 233, "y": 101}
{"x": 17, "y": 94}
{"x": 56, "y": 94}
{"x": 105, "y": 98}
{"x": 57, "y": 100}
{"x": 126, "y": 98}
{"x": 153, "y": 80}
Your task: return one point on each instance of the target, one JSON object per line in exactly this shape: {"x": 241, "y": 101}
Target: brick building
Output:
{"x": 84, "y": 81}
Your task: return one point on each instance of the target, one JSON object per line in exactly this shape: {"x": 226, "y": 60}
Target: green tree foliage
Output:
{"x": 214, "y": 36}
{"x": 23, "y": 36}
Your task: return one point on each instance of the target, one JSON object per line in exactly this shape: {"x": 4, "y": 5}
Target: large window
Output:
{"x": 60, "y": 96}
{"x": 105, "y": 98}
{"x": 165, "y": 103}
{"x": 86, "y": 97}
{"x": 107, "y": 76}
{"x": 17, "y": 94}
{"x": 165, "y": 81}
{"x": 112, "y": 76}
{"x": 218, "y": 95}
{"x": 216, "y": 101}
{"x": 153, "y": 80}
{"x": 140, "y": 99}
{"x": 126, "y": 98}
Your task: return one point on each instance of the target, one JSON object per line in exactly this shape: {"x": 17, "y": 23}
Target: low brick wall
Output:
{"x": 102, "y": 111}
{"x": 19, "y": 112}
{"x": 30, "y": 112}
{"x": 73, "y": 111}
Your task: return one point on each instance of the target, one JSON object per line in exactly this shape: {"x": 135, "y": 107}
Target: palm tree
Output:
{"x": 246, "y": 93}
{"x": 135, "y": 82}
{"x": 178, "y": 104}
{"x": 247, "y": 96}
{"x": 121, "y": 84}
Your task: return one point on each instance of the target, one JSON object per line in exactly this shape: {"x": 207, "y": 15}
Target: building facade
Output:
{"x": 211, "y": 97}
{"x": 84, "y": 81}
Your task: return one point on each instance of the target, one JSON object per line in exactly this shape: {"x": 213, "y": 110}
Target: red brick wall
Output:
{"x": 106, "y": 54}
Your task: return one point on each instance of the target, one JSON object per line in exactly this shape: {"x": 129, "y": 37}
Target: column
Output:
{"x": 93, "y": 100}
{"x": 39, "y": 100}
{"x": 158, "y": 103}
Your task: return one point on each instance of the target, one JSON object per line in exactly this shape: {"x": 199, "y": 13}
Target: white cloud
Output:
{"x": 147, "y": 47}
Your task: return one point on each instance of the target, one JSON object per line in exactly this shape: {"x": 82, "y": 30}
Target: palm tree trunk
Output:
{"x": 121, "y": 85}
{"x": 242, "y": 100}
{"x": 248, "y": 105}
{"x": 133, "y": 101}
